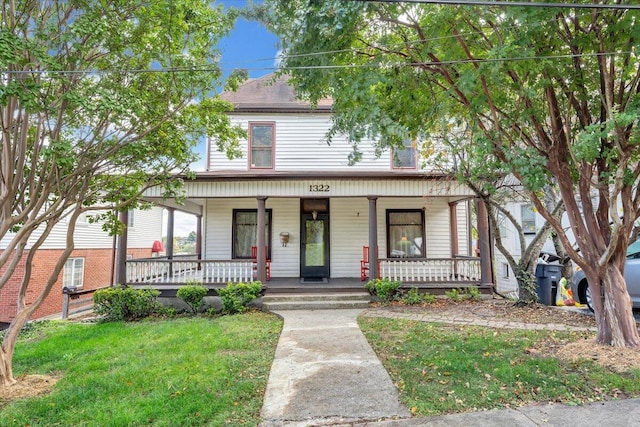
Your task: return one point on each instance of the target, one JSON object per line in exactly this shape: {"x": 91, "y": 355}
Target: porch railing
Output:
{"x": 156, "y": 270}
{"x": 77, "y": 300}
{"x": 431, "y": 270}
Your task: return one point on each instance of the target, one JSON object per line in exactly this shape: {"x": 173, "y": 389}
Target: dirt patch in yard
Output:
{"x": 27, "y": 386}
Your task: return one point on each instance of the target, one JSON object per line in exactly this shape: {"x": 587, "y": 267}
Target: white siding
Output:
{"x": 300, "y": 144}
{"x": 463, "y": 229}
{"x": 147, "y": 228}
{"x": 349, "y": 233}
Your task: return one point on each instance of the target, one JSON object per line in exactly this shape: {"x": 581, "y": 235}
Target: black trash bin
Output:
{"x": 547, "y": 278}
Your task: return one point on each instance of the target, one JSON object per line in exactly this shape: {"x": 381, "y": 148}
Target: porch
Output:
{"x": 433, "y": 275}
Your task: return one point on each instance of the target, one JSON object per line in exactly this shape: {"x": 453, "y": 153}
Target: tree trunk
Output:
{"x": 613, "y": 309}
{"x": 526, "y": 284}
{"x": 6, "y": 372}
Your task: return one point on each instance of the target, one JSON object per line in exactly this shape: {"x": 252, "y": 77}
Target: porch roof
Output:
{"x": 327, "y": 185}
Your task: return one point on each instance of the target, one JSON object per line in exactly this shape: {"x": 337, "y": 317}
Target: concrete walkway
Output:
{"x": 325, "y": 373}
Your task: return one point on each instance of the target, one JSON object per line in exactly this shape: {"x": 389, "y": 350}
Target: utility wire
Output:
{"x": 510, "y": 3}
{"x": 329, "y": 67}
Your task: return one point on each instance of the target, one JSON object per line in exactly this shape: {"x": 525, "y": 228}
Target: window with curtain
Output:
{"x": 261, "y": 139}
{"x": 245, "y": 232}
{"x": 405, "y": 234}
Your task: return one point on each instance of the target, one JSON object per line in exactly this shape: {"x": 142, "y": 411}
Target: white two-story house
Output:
{"x": 293, "y": 210}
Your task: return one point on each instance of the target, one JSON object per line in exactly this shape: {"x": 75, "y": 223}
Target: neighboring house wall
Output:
{"x": 93, "y": 246}
{"x": 505, "y": 277}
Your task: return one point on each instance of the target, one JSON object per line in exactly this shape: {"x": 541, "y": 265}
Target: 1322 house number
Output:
{"x": 317, "y": 188}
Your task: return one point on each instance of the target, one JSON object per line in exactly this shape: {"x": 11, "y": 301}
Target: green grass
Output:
{"x": 187, "y": 372}
{"x": 441, "y": 369}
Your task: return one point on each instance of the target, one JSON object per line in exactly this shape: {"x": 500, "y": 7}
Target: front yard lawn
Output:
{"x": 440, "y": 368}
{"x": 187, "y": 372}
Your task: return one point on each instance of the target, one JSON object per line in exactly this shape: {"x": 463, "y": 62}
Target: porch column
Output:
{"x": 170, "y": 224}
{"x": 121, "y": 252}
{"x": 169, "y": 248}
{"x": 484, "y": 244}
{"x": 453, "y": 228}
{"x": 199, "y": 236}
{"x": 373, "y": 237}
{"x": 261, "y": 256}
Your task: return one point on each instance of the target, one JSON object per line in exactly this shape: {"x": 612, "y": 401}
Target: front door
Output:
{"x": 314, "y": 244}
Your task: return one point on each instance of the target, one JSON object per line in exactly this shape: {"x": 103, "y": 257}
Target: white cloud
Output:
{"x": 184, "y": 224}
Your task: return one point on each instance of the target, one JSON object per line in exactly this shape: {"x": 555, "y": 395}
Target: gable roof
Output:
{"x": 271, "y": 94}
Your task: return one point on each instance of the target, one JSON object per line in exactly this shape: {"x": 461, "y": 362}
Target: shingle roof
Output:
{"x": 271, "y": 94}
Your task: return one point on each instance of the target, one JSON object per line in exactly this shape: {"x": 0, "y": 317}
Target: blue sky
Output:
{"x": 249, "y": 46}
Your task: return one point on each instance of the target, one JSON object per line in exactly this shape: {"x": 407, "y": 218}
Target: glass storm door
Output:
{"x": 314, "y": 250}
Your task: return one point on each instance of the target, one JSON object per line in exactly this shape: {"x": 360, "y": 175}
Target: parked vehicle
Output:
{"x": 581, "y": 290}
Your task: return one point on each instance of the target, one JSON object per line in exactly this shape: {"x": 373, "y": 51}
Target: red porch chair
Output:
{"x": 254, "y": 258}
{"x": 364, "y": 264}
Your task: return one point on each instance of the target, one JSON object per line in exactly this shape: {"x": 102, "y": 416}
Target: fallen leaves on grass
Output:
{"x": 617, "y": 359}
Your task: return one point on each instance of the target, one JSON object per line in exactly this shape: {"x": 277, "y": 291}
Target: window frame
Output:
{"x": 529, "y": 225}
{"x": 408, "y": 144}
{"x": 65, "y": 273}
{"x": 388, "y": 225}
{"x": 234, "y": 230}
{"x": 250, "y": 147}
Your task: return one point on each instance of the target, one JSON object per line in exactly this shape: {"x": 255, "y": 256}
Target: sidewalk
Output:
{"x": 326, "y": 374}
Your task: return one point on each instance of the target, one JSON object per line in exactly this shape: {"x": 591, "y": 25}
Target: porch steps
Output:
{"x": 315, "y": 301}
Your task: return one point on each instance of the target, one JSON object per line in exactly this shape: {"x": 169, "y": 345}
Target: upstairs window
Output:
{"x": 528, "y": 218}
{"x": 405, "y": 157}
{"x": 261, "y": 139}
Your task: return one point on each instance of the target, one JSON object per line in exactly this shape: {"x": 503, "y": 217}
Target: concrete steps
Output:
{"x": 315, "y": 301}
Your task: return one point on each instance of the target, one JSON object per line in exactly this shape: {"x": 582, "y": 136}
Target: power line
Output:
{"x": 458, "y": 61}
{"x": 510, "y": 3}
{"x": 328, "y": 67}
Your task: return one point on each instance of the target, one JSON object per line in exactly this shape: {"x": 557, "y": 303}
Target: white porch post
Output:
{"x": 261, "y": 256}
{"x": 373, "y": 237}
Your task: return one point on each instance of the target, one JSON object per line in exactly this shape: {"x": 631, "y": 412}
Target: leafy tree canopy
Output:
{"x": 547, "y": 94}
{"x": 99, "y": 100}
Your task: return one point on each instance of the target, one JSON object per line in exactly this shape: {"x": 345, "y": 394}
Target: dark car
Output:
{"x": 580, "y": 287}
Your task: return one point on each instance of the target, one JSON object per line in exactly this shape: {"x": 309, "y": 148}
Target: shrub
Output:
{"x": 237, "y": 296}
{"x": 122, "y": 303}
{"x": 385, "y": 289}
{"x": 453, "y": 294}
{"x": 413, "y": 297}
{"x": 474, "y": 293}
{"x": 192, "y": 293}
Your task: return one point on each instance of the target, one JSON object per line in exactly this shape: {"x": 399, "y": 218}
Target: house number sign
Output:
{"x": 319, "y": 188}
